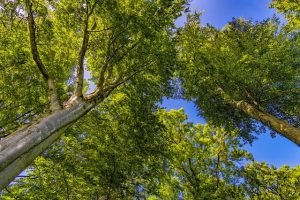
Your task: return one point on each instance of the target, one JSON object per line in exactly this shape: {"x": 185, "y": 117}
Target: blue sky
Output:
{"x": 219, "y": 12}
{"x": 276, "y": 151}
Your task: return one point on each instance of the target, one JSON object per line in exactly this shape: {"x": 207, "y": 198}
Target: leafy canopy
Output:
{"x": 251, "y": 62}
{"x": 125, "y": 38}
{"x": 126, "y": 154}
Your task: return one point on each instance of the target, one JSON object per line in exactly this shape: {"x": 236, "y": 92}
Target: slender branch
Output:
{"x": 6, "y": 188}
{"x": 188, "y": 176}
{"x": 66, "y": 184}
{"x": 25, "y": 176}
{"x": 54, "y": 103}
{"x": 80, "y": 63}
{"x": 102, "y": 79}
{"x": 9, "y": 107}
{"x": 217, "y": 169}
{"x": 108, "y": 196}
{"x": 102, "y": 88}
{"x": 193, "y": 171}
{"x": 27, "y": 113}
{"x": 105, "y": 66}
{"x": 109, "y": 56}
{"x": 107, "y": 90}
{"x": 4, "y": 24}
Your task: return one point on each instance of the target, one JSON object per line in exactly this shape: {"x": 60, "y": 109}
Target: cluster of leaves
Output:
{"x": 265, "y": 182}
{"x": 291, "y": 11}
{"x": 250, "y": 62}
{"x": 204, "y": 161}
{"x": 22, "y": 91}
{"x": 124, "y": 154}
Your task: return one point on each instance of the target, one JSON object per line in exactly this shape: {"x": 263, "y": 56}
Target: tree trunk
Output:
{"x": 19, "y": 149}
{"x": 278, "y": 125}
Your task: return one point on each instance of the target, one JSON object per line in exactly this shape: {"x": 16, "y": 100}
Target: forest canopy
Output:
{"x": 80, "y": 89}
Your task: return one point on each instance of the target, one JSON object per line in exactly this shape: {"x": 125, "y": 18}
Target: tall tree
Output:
{"x": 46, "y": 48}
{"x": 107, "y": 154}
{"x": 243, "y": 75}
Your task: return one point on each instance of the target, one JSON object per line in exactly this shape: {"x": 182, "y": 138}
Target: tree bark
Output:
{"x": 19, "y": 149}
{"x": 278, "y": 125}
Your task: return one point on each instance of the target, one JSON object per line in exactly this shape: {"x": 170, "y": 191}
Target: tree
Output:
{"x": 107, "y": 154}
{"x": 243, "y": 75}
{"x": 46, "y": 48}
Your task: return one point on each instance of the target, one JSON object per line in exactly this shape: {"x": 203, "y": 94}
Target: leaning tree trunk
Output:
{"x": 285, "y": 129}
{"x": 278, "y": 125}
{"x": 19, "y": 149}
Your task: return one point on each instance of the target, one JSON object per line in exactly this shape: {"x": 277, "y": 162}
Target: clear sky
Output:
{"x": 219, "y": 12}
{"x": 276, "y": 151}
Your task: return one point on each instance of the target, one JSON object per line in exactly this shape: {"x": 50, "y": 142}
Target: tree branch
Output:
{"x": 102, "y": 87}
{"x": 107, "y": 90}
{"x": 102, "y": 78}
{"x": 284, "y": 128}
{"x": 80, "y": 63}
{"x": 193, "y": 172}
{"x": 54, "y": 103}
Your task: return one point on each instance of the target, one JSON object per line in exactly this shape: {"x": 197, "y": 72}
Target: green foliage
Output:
{"x": 204, "y": 160}
{"x": 126, "y": 147}
{"x": 22, "y": 91}
{"x": 106, "y": 154}
{"x": 264, "y": 182}
{"x": 125, "y": 38}
{"x": 291, "y": 11}
{"x": 252, "y": 62}
{"x": 118, "y": 152}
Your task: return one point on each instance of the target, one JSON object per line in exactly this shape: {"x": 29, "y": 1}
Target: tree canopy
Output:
{"x": 80, "y": 86}
{"x": 46, "y": 48}
{"x": 167, "y": 158}
{"x": 243, "y": 75}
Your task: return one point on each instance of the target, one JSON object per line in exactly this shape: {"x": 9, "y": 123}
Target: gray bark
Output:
{"x": 19, "y": 149}
{"x": 278, "y": 125}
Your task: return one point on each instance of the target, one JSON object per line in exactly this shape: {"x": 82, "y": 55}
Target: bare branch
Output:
{"x": 54, "y": 103}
